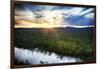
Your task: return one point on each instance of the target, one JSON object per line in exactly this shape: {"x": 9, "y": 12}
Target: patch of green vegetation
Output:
{"x": 65, "y": 43}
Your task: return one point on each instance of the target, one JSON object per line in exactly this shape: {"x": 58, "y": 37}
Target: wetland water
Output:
{"x": 36, "y": 56}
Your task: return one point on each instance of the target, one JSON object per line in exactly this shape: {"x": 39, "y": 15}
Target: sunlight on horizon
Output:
{"x": 27, "y": 24}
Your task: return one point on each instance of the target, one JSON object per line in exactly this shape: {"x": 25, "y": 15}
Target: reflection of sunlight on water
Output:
{"x": 37, "y": 57}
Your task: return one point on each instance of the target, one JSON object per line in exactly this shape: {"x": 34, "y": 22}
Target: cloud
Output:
{"x": 74, "y": 11}
{"x": 75, "y": 26}
{"x": 89, "y": 15}
{"x": 86, "y": 11}
{"x": 52, "y": 16}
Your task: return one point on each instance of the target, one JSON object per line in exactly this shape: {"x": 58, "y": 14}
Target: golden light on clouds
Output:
{"x": 27, "y": 24}
{"x": 45, "y": 19}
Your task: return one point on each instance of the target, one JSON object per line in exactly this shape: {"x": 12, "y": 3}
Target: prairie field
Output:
{"x": 75, "y": 42}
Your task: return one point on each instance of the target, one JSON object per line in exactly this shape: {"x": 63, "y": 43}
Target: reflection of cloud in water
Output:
{"x": 37, "y": 57}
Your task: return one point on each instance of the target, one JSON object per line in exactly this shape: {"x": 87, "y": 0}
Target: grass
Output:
{"x": 77, "y": 44}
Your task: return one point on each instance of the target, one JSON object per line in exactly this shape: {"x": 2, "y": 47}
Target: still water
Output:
{"x": 36, "y": 56}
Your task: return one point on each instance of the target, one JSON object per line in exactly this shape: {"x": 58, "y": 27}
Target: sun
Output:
{"x": 50, "y": 26}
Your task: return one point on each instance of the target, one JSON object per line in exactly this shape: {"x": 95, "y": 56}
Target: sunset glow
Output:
{"x": 51, "y": 20}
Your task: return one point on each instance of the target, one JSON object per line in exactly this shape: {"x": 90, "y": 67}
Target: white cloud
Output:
{"x": 76, "y": 26}
{"x": 86, "y": 11}
{"x": 90, "y": 15}
{"x": 73, "y": 11}
{"x": 24, "y": 15}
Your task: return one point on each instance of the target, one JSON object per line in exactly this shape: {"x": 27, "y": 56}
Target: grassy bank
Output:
{"x": 78, "y": 44}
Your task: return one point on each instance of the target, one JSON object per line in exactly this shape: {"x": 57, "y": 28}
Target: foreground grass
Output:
{"x": 77, "y": 44}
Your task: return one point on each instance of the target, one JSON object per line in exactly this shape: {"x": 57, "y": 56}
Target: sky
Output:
{"x": 50, "y": 16}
